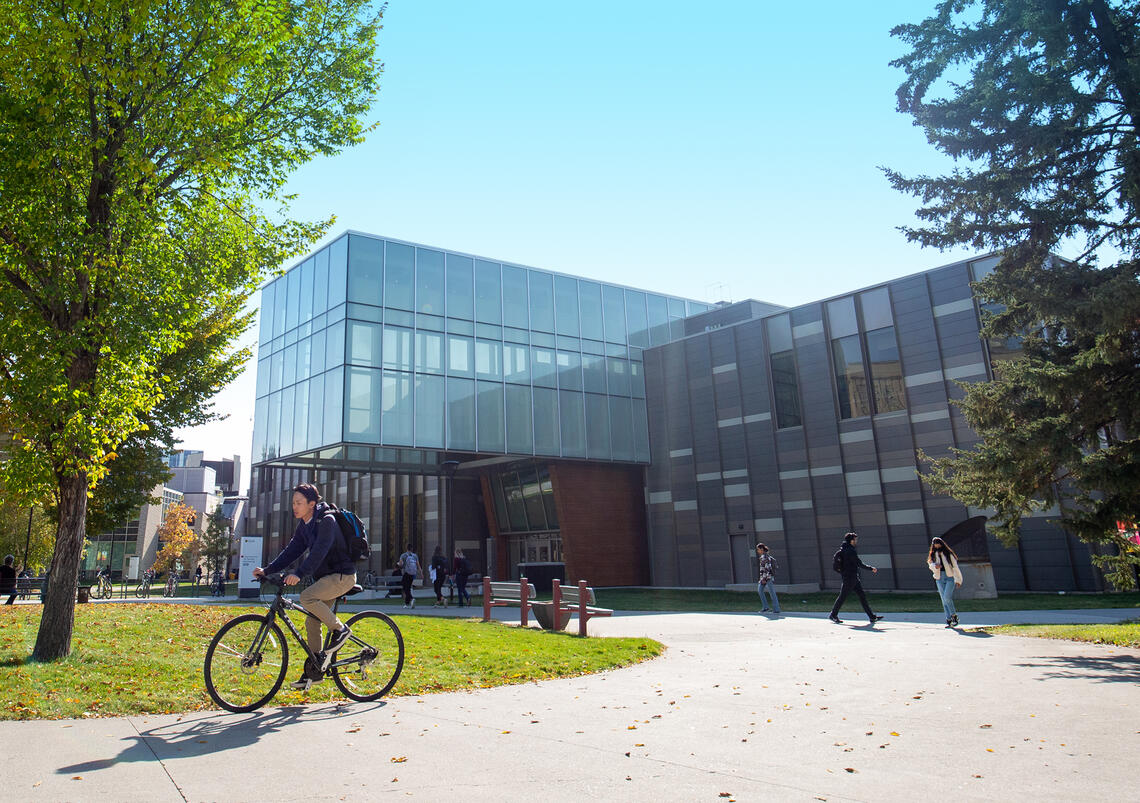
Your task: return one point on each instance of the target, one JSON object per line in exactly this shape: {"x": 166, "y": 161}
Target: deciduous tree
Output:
{"x": 1039, "y": 103}
{"x": 179, "y": 540}
{"x": 140, "y": 141}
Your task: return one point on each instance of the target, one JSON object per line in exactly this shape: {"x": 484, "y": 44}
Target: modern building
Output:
{"x": 547, "y": 423}
{"x": 135, "y": 538}
{"x": 227, "y": 473}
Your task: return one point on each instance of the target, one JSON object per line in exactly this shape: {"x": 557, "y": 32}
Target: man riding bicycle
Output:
{"x": 333, "y": 572}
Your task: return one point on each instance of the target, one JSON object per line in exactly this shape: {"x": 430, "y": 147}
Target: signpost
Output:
{"x": 248, "y": 560}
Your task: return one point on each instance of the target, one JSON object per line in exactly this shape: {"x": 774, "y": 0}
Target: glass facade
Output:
{"x": 379, "y": 342}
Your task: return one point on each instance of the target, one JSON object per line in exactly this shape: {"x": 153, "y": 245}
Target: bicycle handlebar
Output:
{"x": 275, "y": 579}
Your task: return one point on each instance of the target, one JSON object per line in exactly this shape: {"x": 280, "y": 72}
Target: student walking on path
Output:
{"x": 438, "y": 575}
{"x": 848, "y": 566}
{"x": 767, "y": 584}
{"x": 409, "y": 564}
{"x": 943, "y": 563}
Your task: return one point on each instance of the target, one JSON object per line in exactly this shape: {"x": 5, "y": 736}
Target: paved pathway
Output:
{"x": 740, "y": 707}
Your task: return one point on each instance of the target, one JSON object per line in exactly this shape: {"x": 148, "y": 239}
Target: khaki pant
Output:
{"x": 316, "y": 600}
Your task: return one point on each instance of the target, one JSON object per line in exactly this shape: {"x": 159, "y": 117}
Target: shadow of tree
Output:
{"x": 1099, "y": 669}
{"x": 214, "y": 732}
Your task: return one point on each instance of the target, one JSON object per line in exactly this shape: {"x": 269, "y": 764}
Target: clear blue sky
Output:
{"x": 723, "y": 151}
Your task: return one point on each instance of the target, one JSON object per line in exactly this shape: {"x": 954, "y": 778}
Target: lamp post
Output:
{"x": 28, "y": 540}
{"x": 448, "y": 468}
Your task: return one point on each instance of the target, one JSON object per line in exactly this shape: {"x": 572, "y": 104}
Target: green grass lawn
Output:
{"x": 1123, "y": 634}
{"x": 663, "y": 599}
{"x": 136, "y": 659}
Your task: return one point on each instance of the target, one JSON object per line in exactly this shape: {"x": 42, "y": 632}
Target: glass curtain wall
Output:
{"x": 865, "y": 354}
{"x": 373, "y": 341}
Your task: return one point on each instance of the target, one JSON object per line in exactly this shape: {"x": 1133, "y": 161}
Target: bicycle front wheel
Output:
{"x": 141, "y": 590}
{"x": 370, "y": 663}
{"x": 246, "y": 663}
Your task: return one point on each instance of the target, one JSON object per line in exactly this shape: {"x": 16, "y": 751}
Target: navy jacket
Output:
{"x": 851, "y": 562}
{"x": 321, "y": 537}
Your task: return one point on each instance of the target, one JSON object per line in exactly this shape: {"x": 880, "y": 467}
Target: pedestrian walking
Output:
{"x": 848, "y": 564}
{"x": 438, "y": 575}
{"x": 767, "y": 584}
{"x": 8, "y": 579}
{"x": 943, "y": 563}
{"x": 461, "y": 569}
{"x": 409, "y": 565}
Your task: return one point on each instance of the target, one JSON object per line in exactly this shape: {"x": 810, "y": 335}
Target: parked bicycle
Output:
{"x": 171, "y": 588}
{"x": 248, "y": 658}
{"x": 143, "y": 588}
{"x": 103, "y": 588}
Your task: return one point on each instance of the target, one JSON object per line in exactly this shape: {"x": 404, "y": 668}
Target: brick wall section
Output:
{"x": 601, "y": 513}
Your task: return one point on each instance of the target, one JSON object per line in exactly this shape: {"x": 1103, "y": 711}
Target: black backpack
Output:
{"x": 353, "y": 531}
{"x": 837, "y": 560}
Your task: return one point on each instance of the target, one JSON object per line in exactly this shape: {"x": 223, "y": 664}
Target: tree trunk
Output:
{"x": 54, "y": 639}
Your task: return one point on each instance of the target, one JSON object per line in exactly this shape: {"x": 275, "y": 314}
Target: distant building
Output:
{"x": 137, "y": 537}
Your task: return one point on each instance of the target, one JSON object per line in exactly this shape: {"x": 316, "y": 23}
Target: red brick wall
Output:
{"x": 601, "y": 513}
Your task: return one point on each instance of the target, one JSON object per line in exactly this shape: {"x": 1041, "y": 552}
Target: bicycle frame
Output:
{"x": 277, "y": 610}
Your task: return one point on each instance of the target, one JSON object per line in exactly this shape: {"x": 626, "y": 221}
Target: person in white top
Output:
{"x": 943, "y": 563}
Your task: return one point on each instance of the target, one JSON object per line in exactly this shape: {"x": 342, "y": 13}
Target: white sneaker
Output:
{"x": 413, "y": 602}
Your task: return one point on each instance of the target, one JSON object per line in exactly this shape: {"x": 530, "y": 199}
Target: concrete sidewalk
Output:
{"x": 740, "y": 707}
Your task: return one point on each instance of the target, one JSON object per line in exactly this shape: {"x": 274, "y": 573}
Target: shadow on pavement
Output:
{"x": 213, "y": 733}
{"x": 1099, "y": 669}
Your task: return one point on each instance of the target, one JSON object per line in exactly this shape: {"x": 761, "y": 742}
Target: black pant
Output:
{"x": 406, "y": 582}
{"x": 437, "y": 584}
{"x": 12, "y": 599}
{"x": 461, "y": 589}
{"x": 851, "y": 583}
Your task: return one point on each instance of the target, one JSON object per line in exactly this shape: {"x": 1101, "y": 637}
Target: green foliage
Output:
{"x": 140, "y": 659}
{"x": 215, "y": 543}
{"x": 139, "y": 141}
{"x": 14, "y": 533}
{"x": 1039, "y": 102}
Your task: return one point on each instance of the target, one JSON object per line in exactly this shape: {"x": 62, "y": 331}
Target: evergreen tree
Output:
{"x": 1038, "y": 101}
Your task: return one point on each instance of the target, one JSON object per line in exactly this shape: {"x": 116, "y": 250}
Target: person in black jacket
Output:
{"x": 333, "y": 573}
{"x": 850, "y": 564}
{"x": 8, "y": 579}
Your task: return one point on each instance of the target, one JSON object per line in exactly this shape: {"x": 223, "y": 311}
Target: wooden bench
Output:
{"x": 575, "y": 601}
{"x": 508, "y": 593}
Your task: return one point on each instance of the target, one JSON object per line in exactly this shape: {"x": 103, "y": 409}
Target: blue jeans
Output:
{"x": 946, "y": 591}
{"x": 770, "y": 588}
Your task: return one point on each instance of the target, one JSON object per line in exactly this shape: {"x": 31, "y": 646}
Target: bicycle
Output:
{"x": 248, "y": 658}
{"x": 143, "y": 589}
{"x": 103, "y": 588}
{"x": 171, "y": 588}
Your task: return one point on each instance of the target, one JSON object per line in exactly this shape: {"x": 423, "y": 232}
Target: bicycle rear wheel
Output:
{"x": 142, "y": 590}
{"x": 368, "y": 666}
{"x": 246, "y": 663}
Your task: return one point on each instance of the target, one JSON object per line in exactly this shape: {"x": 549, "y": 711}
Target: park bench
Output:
{"x": 508, "y": 593}
{"x": 570, "y": 601}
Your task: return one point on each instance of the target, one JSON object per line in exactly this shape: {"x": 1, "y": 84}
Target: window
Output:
{"x": 515, "y": 297}
{"x": 520, "y": 438}
{"x": 613, "y": 309}
{"x": 850, "y": 378}
{"x": 546, "y": 421}
{"x": 566, "y": 305}
{"x": 488, "y": 295}
{"x": 488, "y": 359}
{"x": 365, "y": 269}
{"x": 397, "y": 348}
{"x": 886, "y": 370}
{"x": 399, "y": 276}
{"x": 573, "y": 423}
{"x": 429, "y": 352}
{"x": 363, "y": 425}
{"x": 490, "y": 417}
{"x": 429, "y": 282}
{"x": 430, "y": 411}
{"x": 638, "y": 322}
{"x": 597, "y": 426}
{"x": 785, "y": 390}
{"x": 590, "y": 309}
{"x": 461, "y": 414}
{"x": 460, "y": 290}
{"x": 364, "y": 343}
{"x": 460, "y": 358}
{"x": 396, "y": 408}
{"x": 541, "y": 302}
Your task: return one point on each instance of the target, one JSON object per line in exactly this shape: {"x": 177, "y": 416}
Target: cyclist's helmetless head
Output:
{"x": 305, "y": 498}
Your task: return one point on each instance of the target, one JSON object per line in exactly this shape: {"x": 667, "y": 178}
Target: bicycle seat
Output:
{"x": 356, "y": 589}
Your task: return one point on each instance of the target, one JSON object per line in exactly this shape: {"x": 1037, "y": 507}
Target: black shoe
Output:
{"x": 875, "y": 618}
{"x": 949, "y": 622}
{"x": 836, "y": 619}
{"x": 306, "y": 681}
{"x": 954, "y": 620}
